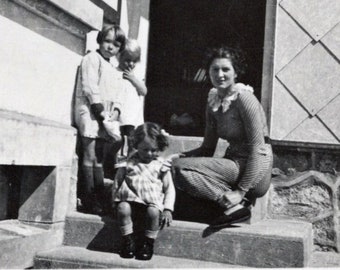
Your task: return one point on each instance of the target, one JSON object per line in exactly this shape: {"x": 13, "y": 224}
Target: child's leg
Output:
{"x": 145, "y": 250}
{"x": 90, "y": 176}
{"x": 129, "y": 131}
{"x": 111, "y": 150}
{"x": 152, "y": 222}
{"x": 98, "y": 171}
{"x": 126, "y": 228}
{"x": 124, "y": 217}
{"x": 126, "y": 130}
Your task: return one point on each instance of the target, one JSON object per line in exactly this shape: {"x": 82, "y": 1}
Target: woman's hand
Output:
{"x": 231, "y": 198}
{"x": 165, "y": 218}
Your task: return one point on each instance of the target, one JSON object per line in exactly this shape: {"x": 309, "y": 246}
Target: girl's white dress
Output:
{"x": 132, "y": 110}
{"x": 96, "y": 83}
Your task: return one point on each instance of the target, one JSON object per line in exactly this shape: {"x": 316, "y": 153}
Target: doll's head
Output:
{"x": 111, "y": 40}
{"x": 130, "y": 55}
{"x": 148, "y": 139}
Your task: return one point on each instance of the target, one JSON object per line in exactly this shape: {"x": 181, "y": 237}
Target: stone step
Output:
{"x": 267, "y": 243}
{"x": 81, "y": 258}
{"x": 19, "y": 242}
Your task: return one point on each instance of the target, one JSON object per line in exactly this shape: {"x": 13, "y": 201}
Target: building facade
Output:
{"x": 294, "y": 53}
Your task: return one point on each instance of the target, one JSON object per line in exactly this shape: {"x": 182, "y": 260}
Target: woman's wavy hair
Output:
{"x": 152, "y": 131}
{"x": 119, "y": 34}
{"x": 235, "y": 55}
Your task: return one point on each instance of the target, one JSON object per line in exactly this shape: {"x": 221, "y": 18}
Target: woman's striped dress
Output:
{"x": 248, "y": 160}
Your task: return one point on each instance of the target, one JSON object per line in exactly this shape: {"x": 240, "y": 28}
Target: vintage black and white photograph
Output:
{"x": 169, "y": 134}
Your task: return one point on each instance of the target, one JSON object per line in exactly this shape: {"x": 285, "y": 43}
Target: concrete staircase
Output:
{"x": 92, "y": 242}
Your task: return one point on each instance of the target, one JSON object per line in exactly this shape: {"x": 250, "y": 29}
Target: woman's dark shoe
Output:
{"x": 226, "y": 220}
{"x": 128, "y": 248}
{"x": 246, "y": 203}
{"x": 145, "y": 250}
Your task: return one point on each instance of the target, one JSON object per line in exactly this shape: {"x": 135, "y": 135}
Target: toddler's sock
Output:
{"x": 126, "y": 229}
{"x": 151, "y": 234}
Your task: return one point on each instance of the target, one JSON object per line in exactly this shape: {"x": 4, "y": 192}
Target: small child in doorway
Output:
{"x": 96, "y": 110}
{"x": 132, "y": 88}
{"x": 144, "y": 186}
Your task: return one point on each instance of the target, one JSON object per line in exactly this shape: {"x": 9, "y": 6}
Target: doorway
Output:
{"x": 180, "y": 33}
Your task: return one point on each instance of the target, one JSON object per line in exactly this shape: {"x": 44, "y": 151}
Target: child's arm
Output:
{"x": 139, "y": 85}
{"x": 169, "y": 199}
{"x": 90, "y": 77}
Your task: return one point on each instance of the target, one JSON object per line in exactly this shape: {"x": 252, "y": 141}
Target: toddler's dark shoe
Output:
{"x": 226, "y": 220}
{"x": 128, "y": 248}
{"x": 145, "y": 250}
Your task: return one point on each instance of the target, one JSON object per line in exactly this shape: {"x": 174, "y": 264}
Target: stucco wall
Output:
{"x": 41, "y": 47}
{"x": 37, "y": 75}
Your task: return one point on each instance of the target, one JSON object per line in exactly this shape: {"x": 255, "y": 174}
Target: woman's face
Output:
{"x": 109, "y": 47}
{"x": 222, "y": 73}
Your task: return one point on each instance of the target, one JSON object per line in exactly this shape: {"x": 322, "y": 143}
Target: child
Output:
{"x": 145, "y": 186}
{"x": 132, "y": 88}
{"x": 94, "y": 94}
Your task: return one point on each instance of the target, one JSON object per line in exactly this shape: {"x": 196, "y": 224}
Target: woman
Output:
{"x": 233, "y": 113}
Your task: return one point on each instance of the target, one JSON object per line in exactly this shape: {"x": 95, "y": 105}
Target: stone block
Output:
{"x": 302, "y": 196}
{"x": 307, "y": 196}
{"x": 28, "y": 140}
{"x": 20, "y": 242}
{"x": 62, "y": 193}
{"x": 325, "y": 231}
{"x": 92, "y": 232}
{"x": 72, "y": 206}
{"x": 85, "y": 11}
{"x": 267, "y": 243}
{"x": 260, "y": 209}
{"x": 44, "y": 194}
{"x": 81, "y": 258}
{"x": 47, "y": 20}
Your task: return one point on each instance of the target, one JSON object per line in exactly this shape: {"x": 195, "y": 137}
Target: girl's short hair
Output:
{"x": 236, "y": 56}
{"x": 133, "y": 49}
{"x": 119, "y": 34}
{"x": 152, "y": 131}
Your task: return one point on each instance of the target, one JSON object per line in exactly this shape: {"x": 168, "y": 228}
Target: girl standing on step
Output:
{"x": 97, "y": 108}
{"x": 144, "y": 192}
{"x": 132, "y": 88}
{"x": 234, "y": 114}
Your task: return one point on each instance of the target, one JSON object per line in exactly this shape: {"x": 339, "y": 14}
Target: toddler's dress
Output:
{"x": 142, "y": 183}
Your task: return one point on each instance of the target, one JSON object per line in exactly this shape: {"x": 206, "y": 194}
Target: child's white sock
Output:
{"x": 151, "y": 234}
{"x": 126, "y": 229}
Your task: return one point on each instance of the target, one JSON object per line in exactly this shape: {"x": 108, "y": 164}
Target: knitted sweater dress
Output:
{"x": 247, "y": 162}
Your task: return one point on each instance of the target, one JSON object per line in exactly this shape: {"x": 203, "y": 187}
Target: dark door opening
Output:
{"x": 180, "y": 33}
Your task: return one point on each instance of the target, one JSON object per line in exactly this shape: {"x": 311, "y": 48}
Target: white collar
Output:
{"x": 215, "y": 101}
